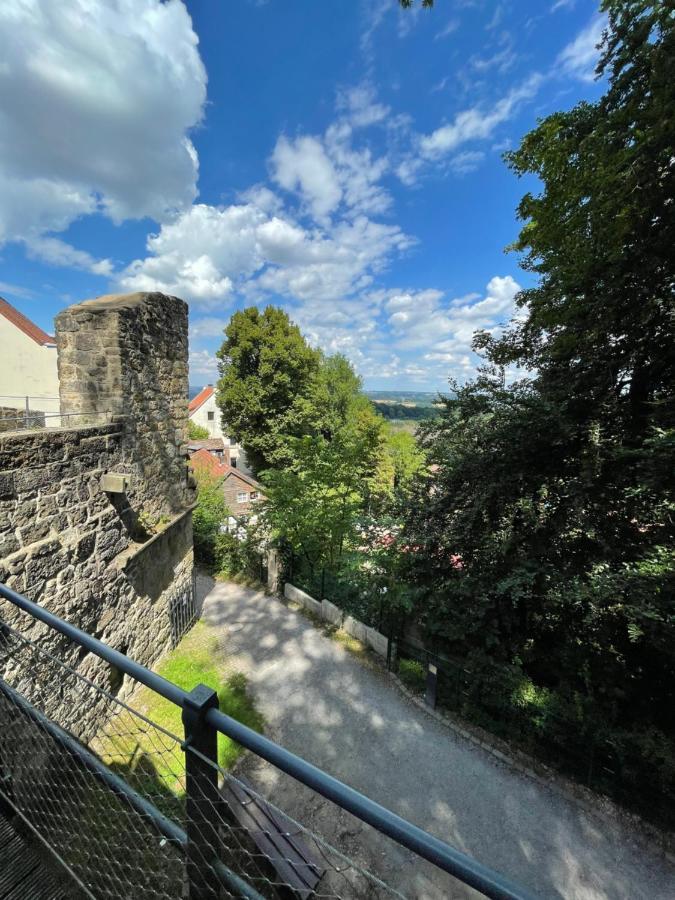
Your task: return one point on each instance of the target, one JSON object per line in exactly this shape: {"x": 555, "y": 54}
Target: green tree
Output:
{"x": 197, "y": 432}
{"x": 210, "y": 513}
{"x": 543, "y": 537}
{"x": 407, "y": 458}
{"x": 269, "y": 385}
{"x": 313, "y": 504}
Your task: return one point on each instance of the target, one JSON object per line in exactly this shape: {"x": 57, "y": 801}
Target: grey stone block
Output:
{"x": 331, "y": 613}
{"x": 355, "y": 628}
{"x": 378, "y": 642}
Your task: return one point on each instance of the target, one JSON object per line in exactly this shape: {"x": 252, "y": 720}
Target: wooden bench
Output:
{"x": 277, "y": 838}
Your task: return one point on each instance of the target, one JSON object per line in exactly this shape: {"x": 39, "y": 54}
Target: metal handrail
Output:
{"x": 492, "y": 884}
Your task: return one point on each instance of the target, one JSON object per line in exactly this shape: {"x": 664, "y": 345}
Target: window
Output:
{"x": 242, "y": 497}
{"x": 210, "y": 415}
{"x": 254, "y": 495}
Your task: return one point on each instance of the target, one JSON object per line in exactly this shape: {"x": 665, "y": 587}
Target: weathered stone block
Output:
{"x": 298, "y": 596}
{"x": 378, "y": 642}
{"x": 331, "y": 613}
{"x": 355, "y": 628}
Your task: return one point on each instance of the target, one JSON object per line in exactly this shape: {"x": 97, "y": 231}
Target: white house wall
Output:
{"x": 27, "y": 369}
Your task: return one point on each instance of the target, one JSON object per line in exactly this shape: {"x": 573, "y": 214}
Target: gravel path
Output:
{"x": 348, "y": 717}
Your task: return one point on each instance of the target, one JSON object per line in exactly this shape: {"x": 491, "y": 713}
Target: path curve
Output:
{"x": 350, "y": 719}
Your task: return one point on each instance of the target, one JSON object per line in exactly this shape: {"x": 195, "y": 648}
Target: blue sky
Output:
{"x": 342, "y": 160}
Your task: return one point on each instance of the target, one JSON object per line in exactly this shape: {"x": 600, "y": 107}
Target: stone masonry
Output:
{"x": 115, "y": 565}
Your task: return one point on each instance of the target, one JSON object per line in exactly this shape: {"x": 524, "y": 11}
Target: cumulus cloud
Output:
{"x": 209, "y": 252}
{"x": 443, "y": 331}
{"x": 59, "y": 253}
{"x": 203, "y": 366}
{"x": 475, "y": 123}
{"x": 79, "y": 84}
{"x": 328, "y": 172}
{"x": 580, "y": 57}
{"x": 303, "y": 164}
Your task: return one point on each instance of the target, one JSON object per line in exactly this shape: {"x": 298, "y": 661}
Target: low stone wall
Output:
{"x": 293, "y": 593}
{"x": 329, "y": 612}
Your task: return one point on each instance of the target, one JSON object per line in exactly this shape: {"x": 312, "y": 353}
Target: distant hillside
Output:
{"x": 410, "y": 398}
{"x": 401, "y": 406}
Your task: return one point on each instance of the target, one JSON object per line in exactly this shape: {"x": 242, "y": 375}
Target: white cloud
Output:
{"x": 466, "y": 162}
{"x": 449, "y": 29}
{"x": 303, "y": 164}
{"x": 562, "y": 4}
{"x": 209, "y": 252}
{"x": 207, "y": 327}
{"x": 421, "y": 320}
{"x": 203, "y": 366}
{"x": 59, "y": 253}
{"x": 361, "y": 107}
{"x": 580, "y": 58}
{"x": 96, "y": 102}
{"x": 476, "y": 124}
{"x": 328, "y": 171}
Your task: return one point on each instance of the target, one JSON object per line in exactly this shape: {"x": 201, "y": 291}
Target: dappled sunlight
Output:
{"x": 323, "y": 703}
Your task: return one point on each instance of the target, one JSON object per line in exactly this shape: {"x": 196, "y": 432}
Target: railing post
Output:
{"x": 201, "y": 794}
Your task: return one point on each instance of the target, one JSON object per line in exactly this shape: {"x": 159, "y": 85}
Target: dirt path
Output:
{"x": 324, "y": 704}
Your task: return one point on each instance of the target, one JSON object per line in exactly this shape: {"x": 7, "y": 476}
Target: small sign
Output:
{"x": 433, "y": 669}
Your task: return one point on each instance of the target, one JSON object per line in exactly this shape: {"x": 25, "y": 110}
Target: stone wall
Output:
{"x": 70, "y": 545}
{"x": 332, "y": 614}
{"x": 127, "y": 355}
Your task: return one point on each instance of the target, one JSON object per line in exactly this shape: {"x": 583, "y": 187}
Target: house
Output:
{"x": 28, "y": 373}
{"x": 242, "y": 492}
{"x": 215, "y": 446}
{"x": 203, "y": 411}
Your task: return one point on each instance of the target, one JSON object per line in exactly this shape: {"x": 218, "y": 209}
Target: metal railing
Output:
{"x": 212, "y": 852}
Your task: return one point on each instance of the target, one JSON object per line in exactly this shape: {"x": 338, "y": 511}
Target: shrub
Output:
{"x": 210, "y": 513}
{"x": 197, "y": 432}
{"x": 412, "y": 674}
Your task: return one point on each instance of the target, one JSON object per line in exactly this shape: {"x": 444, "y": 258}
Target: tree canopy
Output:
{"x": 269, "y": 384}
{"x": 546, "y": 537}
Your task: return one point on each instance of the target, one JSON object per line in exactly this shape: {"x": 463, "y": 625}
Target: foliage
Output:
{"x": 412, "y": 674}
{"x": 544, "y": 537}
{"x": 197, "y": 432}
{"x": 404, "y": 410}
{"x": 209, "y": 514}
{"x": 313, "y": 504}
{"x": 269, "y": 385}
{"x": 240, "y": 553}
{"x": 408, "y": 459}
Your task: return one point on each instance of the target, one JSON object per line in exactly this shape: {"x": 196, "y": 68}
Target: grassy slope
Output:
{"x": 132, "y": 746}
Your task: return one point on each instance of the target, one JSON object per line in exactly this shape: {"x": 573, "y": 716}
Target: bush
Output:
{"x": 197, "y": 432}
{"x": 240, "y": 553}
{"x": 412, "y": 674}
{"x": 210, "y": 513}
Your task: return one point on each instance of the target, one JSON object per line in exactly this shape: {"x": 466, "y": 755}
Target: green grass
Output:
{"x": 133, "y": 751}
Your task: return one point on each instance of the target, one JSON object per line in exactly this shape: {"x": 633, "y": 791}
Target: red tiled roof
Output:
{"x": 200, "y": 399}
{"x": 205, "y": 460}
{"x": 202, "y": 459}
{"x": 29, "y": 328}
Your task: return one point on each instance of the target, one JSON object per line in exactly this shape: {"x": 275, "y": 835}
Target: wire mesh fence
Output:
{"x": 567, "y": 737}
{"x": 122, "y": 832}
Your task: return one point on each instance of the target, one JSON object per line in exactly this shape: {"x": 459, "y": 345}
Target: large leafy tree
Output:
{"x": 545, "y": 536}
{"x": 269, "y": 386}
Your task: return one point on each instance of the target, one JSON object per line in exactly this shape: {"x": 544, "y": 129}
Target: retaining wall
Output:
{"x": 329, "y": 612}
